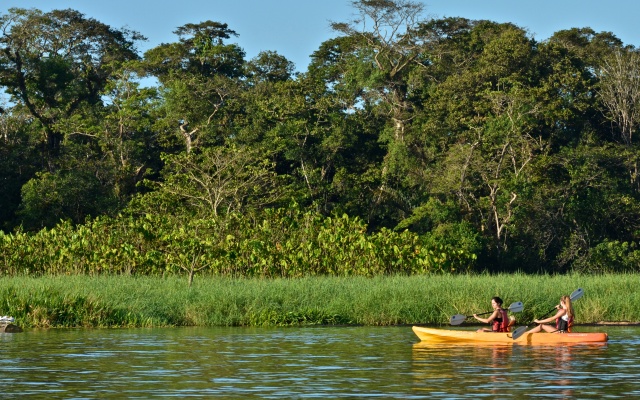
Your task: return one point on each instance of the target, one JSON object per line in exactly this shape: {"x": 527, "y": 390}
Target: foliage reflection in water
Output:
{"x": 336, "y": 362}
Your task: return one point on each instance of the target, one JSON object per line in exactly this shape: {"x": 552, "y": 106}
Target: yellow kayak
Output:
{"x": 452, "y": 336}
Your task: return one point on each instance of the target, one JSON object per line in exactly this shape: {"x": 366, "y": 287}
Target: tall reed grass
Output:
{"x": 120, "y": 301}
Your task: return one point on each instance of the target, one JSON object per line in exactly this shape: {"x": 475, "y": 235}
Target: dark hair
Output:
{"x": 498, "y": 300}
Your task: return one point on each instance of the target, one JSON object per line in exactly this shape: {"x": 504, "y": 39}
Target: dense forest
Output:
{"x": 409, "y": 145}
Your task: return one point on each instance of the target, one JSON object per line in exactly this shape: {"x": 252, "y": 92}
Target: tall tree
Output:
{"x": 125, "y": 133}
{"x": 619, "y": 91}
{"x": 213, "y": 182}
{"x": 18, "y": 161}
{"x": 57, "y": 63}
{"x": 269, "y": 66}
{"x": 201, "y": 49}
{"x": 387, "y": 47}
{"x": 200, "y": 77}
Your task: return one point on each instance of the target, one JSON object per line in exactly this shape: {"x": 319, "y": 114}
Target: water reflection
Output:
{"x": 462, "y": 368}
{"x": 557, "y": 369}
{"x": 498, "y": 370}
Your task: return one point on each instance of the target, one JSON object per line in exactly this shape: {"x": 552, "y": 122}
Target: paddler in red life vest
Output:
{"x": 499, "y": 319}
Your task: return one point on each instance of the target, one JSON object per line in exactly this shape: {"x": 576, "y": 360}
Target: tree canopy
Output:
{"x": 465, "y": 133}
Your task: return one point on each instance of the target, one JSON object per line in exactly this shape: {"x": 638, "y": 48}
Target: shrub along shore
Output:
{"x": 120, "y": 301}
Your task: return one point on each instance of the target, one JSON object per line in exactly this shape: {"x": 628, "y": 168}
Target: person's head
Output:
{"x": 565, "y": 302}
{"x": 496, "y": 302}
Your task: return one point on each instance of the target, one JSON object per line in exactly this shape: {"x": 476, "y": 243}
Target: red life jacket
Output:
{"x": 501, "y": 324}
{"x": 564, "y": 326}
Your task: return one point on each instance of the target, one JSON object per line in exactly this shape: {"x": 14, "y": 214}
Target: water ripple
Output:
{"x": 360, "y": 362}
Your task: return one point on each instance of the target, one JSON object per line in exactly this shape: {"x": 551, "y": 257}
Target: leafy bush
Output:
{"x": 610, "y": 257}
{"x": 280, "y": 243}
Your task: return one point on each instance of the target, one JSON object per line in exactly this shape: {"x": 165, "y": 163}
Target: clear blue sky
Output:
{"x": 296, "y": 28}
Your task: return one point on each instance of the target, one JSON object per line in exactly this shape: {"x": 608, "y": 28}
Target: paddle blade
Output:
{"x": 518, "y": 332}
{"x": 457, "y": 319}
{"x": 516, "y": 307}
{"x": 576, "y": 294}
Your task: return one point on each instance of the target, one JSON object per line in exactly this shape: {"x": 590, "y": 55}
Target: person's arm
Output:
{"x": 487, "y": 320}
{"x": 560, "y": 313}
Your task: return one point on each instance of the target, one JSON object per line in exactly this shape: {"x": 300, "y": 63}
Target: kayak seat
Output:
{"x": 512, "y": 322}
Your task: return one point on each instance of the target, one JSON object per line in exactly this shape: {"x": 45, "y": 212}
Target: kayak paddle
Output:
{"x": 459, "y": 318}
{"x": 578, "y": 293}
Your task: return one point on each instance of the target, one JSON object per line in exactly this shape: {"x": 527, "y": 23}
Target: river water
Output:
{"x": 318, "y": 362}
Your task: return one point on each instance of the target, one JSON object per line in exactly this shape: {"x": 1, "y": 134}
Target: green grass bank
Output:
{"x": 119, "y": 301}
